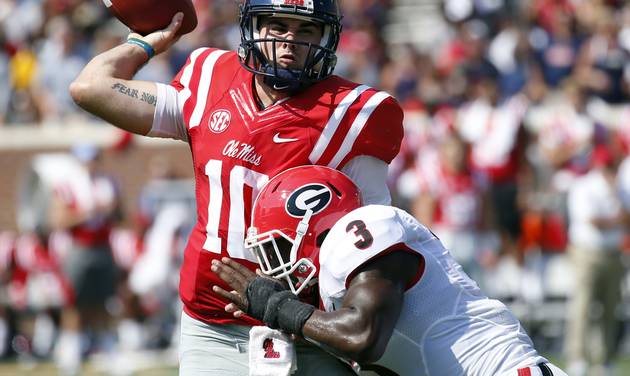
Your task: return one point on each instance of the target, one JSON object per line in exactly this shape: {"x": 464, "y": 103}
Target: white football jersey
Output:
{"x": 447, "y": 326}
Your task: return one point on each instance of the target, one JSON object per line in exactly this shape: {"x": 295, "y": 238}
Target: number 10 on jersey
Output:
{"x": 239, "y": 177}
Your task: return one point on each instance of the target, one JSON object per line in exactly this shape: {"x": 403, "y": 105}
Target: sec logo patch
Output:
{"x": 219, "y": 120}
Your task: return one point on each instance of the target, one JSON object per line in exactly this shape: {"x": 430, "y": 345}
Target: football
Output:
{"x": 147, "y": 16}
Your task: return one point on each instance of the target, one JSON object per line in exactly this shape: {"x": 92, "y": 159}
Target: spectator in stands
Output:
{"x": 147, "y": 291}
{"x": 510, "y": 52}
{"x": 556, "y": 45}
{"x": 357, "y": 60}
{"x": 603, "y": 61}
{"x": 598, "y": 224}
{"x": 36, "y": 289}
{"x": 452, "y": 203}
{"x": 493, "y": 131}
{"x": 59, "y": 50}
{"x": 562, "y": 133}
{"x": 89, "y": 265}
{"x": 23, "y": 106}
{"x": 21, "y": 20}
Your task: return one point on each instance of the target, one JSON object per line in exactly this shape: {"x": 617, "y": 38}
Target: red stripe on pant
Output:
{"x": 524, "y": 372}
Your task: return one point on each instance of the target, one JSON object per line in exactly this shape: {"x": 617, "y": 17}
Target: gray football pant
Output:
{"x": 222, "y": 350}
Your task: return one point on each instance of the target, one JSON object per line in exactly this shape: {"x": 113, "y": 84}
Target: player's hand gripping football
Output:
{"x": 251, "y": 291}
{"x": 161, "y": 40}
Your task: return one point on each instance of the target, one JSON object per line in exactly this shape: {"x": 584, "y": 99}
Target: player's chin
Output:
{"x": 289, "y": 64}
{"x": 296, "y": 67}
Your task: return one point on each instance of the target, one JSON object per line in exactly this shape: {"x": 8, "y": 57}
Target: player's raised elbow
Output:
{"x": 87, "y": 88}
{"x": 80, "y": 91}
{"x": 365, "y": 350}
{"x": 365, "y": 344}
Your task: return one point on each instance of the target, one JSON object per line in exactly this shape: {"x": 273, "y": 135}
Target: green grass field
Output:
{"x": 47, "y": 369}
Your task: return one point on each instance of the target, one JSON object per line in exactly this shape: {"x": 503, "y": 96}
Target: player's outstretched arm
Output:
{"x": 105, "y": 87}
{"x": 360, "y": 329}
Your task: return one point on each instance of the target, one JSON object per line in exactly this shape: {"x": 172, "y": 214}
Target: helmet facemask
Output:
{"x": 320, "y": 61}
{"x": 277, "y": 255}
{"x": 292, "y": 216}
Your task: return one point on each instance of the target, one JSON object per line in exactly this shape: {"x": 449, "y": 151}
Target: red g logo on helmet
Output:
{"x": 219, "y": 120}
{"x": 315, "y": 197}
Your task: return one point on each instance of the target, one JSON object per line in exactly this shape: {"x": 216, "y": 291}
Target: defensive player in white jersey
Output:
{"x": 247, "y": 115}
{"x": 393, "y": 299}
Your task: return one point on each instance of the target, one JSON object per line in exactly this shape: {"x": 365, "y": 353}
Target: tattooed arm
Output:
{"x": 105, "y": 87}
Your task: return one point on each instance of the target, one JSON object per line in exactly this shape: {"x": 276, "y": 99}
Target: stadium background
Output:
{"x": 436, "y": 57}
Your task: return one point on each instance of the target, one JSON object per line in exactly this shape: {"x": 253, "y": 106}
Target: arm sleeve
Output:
{"x": 167, "y": 120}
{"x": 370, "y": 175}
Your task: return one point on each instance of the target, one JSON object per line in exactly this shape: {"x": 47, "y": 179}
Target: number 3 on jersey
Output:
{"x": 365, "y": 237}
{"x": 239, "y": 177}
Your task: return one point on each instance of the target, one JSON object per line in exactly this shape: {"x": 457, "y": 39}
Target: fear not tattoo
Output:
{"x": 133, "y": 93}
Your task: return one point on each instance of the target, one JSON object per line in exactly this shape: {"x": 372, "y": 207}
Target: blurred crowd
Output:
{"x": 83, "y": 277}
{"x": 517, "y": 136}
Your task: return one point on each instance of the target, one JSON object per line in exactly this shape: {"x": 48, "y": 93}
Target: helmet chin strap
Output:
{"x": 301, "y": 230}
{"x": 281, "y": 79}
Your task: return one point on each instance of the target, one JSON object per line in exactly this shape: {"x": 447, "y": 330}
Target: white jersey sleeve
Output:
{"x": 358, "y": 237}
{"x": 370, "y": 175}
{"x": 168, "y": 121}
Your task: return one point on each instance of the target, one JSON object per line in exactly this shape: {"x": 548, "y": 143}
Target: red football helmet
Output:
{"x": 291, "y": 217}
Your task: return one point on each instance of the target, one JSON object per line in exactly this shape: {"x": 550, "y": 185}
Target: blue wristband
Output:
{"x": 145, "y": 46}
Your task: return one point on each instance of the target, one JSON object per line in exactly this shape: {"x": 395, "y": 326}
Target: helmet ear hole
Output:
{"x": 335, "y": 189}
{"x": 275, "y": 187}
{"x": 321, "y": 237}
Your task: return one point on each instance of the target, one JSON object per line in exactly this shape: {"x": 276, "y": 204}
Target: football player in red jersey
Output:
{"x": 247, "y": 115}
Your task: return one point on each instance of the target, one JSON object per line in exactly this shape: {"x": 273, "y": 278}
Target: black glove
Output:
{"x": 285, "y": 311}
{"x": 258, "y": 292}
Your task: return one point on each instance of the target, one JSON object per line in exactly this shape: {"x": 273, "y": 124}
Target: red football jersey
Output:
{"x": 237, "y": 148}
